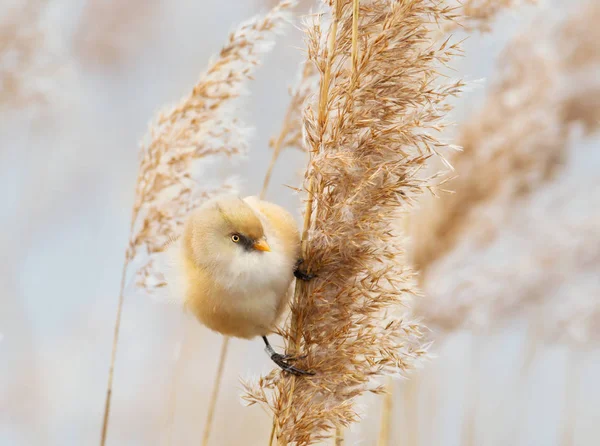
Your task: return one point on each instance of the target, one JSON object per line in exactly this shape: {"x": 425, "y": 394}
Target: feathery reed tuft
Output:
{"x": 547, "y": 86}
{"x": 201, "y": 125}
{"x": 367, "y": 133}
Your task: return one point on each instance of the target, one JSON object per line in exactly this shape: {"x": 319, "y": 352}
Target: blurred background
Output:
{"x": 510, "y": 263}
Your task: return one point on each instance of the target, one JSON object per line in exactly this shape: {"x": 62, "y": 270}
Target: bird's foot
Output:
{"x": 283, "y": 361}
{"x": 302, "y": 275}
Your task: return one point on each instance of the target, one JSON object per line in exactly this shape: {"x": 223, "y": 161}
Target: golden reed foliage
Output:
{"x": 477, "y": 15}
{"x": 202, "y": 124}
{"x": 547, "y": 83}
{"x": 367, "y": 133}
{"x": 513, "y": 156}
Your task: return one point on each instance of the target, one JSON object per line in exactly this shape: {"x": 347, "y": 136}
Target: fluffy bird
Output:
{"x": 234, "y": 264}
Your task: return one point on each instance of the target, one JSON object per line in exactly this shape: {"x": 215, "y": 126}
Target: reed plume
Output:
{"x": 370, "y": 130}
{"x": 547, "y": 86}
{"x": 516, "y": 237}
{"x": 200, "y": 126}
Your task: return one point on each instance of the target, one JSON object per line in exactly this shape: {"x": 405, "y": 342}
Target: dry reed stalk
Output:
{"x": 385, "y": 426}
{"x": 181, "y": 352}
{"x": 214, "y": 396}
{"x": 546, "y": 92}
{"x": 339, "y": 436}
{"x": 572, "y": 380}
{"x": 410, "y": 402}
{"x": 367, "y": 135}
{"x": 289, "y": 136}
{"x": 469, "y": 425}
{"x": 200, "y": 125}
{"x": 513, "y": 402}
{"x": 215, "y": 392}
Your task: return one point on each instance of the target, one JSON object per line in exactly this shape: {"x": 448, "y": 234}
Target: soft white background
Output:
{"x": 67, "y": 174}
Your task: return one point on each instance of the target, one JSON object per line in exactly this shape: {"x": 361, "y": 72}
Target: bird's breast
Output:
{"x": 248, "y": 295}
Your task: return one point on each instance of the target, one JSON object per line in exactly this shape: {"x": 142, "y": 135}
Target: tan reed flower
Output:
{"x": 380, "y": 103}
{"x": 517, "y": 144}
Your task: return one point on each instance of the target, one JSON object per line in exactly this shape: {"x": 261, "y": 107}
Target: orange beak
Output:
{"x": 261, "y": 245}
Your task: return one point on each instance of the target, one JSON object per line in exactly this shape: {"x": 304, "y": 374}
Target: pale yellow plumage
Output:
{"x": 237, "y": 288}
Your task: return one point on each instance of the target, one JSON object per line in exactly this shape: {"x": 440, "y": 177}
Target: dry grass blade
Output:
{"x": 367, "y": 135}
{"x": 200, "y": 125}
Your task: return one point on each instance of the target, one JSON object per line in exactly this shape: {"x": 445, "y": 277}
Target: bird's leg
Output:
{"x": 302, "y": 275}
{"x": 283, "y": 360}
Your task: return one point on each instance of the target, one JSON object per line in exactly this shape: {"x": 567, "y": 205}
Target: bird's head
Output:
{"x": 224, "y": 229}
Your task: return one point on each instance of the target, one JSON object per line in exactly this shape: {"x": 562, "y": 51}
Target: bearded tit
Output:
{"x": 234, "y": 264}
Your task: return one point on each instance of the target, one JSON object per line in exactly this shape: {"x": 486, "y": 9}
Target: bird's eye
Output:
{"x": 235, "y": 238}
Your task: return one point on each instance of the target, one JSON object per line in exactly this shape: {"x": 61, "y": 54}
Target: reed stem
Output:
{"x": 386, "y": 415}
{"x": 215, "y": 392}
{"x": 339, "y": 436}
{"x": 113, "y": 356}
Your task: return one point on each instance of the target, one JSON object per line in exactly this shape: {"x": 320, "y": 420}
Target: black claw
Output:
{"x": 290, "y": 358}
{"x": 299, "y": 274}
{"x": 281, "y": 361}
